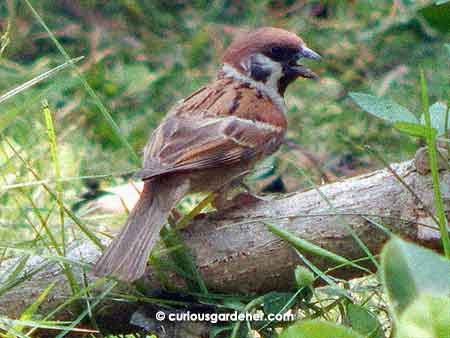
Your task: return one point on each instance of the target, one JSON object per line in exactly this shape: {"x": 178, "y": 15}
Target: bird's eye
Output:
{"x": 276, "y": 51}
{"x": 281, "y": 54}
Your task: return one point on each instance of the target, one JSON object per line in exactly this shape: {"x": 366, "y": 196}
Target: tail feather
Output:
{"x": 127, "y": 255}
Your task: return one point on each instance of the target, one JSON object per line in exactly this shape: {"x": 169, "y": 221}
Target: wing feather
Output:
{"x": 181, "y": 144}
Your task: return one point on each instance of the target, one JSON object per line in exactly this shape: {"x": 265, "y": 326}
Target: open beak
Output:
{"x": 301, "y": 70}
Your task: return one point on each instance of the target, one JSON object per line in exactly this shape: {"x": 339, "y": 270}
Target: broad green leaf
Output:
{"x": 437, "y": 15}
{"x": 318, "y": 329}
{"x": 414, "y": 129}
{"x": 437, "y": 117}
{"x": 408, "y": 270}
{"x": 427, "y": 317}
{"x": 383, "y": 108}
{"x": 364, "y": 321}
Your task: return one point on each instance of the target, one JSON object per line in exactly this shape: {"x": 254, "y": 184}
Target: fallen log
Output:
{"x": 235, "y": 251}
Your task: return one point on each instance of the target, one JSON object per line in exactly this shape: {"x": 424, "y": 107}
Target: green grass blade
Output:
{"x": 5, "y": 38}
{"x": 90, "y": 91}
{"x": 43, "y": 221}
{"x": 197, "y": 209}
{"x": 52, "y": 258}
{"x": 82, "y": 227}
{"x": 8, "y": 327}
{"x": 379, "y": 225}
{"x": 183, "y": 259}
{"x": 21, "y": 264}
{"x": 180, "y": 254}
{"x": 53, "y": 243}
{"x": 157, "y": 266}
{"x": 433, "y": 160}
{"x": 303, "y": 245}
{"x": 54, "y": 157}
{"x": 50, "y": 325}
{"x": 252, "y": 304}
{"x": 28, "y": 313}
{"x": 329, "y": 280}
{"x": 344, "y": 223}
{"x": 446, "y": 120}
{"x": 6, "y": 187}
{"x": 38, "y": 79}
{"x": 83, "y": 314}
{"x": 5, "y": 287}
{"x": 76, "y": 297}
{"x": 149, "y": 300}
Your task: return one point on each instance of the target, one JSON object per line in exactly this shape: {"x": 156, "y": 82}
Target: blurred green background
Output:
{"x": 142, "y": 56}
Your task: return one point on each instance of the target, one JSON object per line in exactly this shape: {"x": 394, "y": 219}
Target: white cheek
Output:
{"x": 277, "y": 73}
{"x": 246, "y": 65}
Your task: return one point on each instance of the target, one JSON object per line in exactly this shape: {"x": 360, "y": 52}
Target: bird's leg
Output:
{"x": 245, "y": 198}
{"x": 223, "y": 201}
{"x": 248, "y": 197}
{"x": 176, "y": 215}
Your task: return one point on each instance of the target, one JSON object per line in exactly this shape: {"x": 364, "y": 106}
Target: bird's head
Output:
{"x": 270, "y": 56}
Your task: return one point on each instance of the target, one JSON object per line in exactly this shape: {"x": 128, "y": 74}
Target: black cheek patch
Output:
{"x": 283, "y": 83}
{"x": 259, "y": 73}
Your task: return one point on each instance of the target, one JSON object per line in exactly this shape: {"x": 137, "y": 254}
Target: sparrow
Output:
{"x": 210, "y": 139}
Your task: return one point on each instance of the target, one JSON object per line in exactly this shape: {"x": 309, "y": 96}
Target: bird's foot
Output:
{"x": 242, "y": 199}
{"x": 176, "y": 215}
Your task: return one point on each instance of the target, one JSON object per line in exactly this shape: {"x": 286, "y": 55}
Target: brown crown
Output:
{"x": 258, "y": 41}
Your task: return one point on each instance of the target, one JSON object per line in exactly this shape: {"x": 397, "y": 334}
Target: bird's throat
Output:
{"x": 270, "y": 87}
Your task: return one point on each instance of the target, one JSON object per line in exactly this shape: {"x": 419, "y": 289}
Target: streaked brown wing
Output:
{"x": 180, "y": 144}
